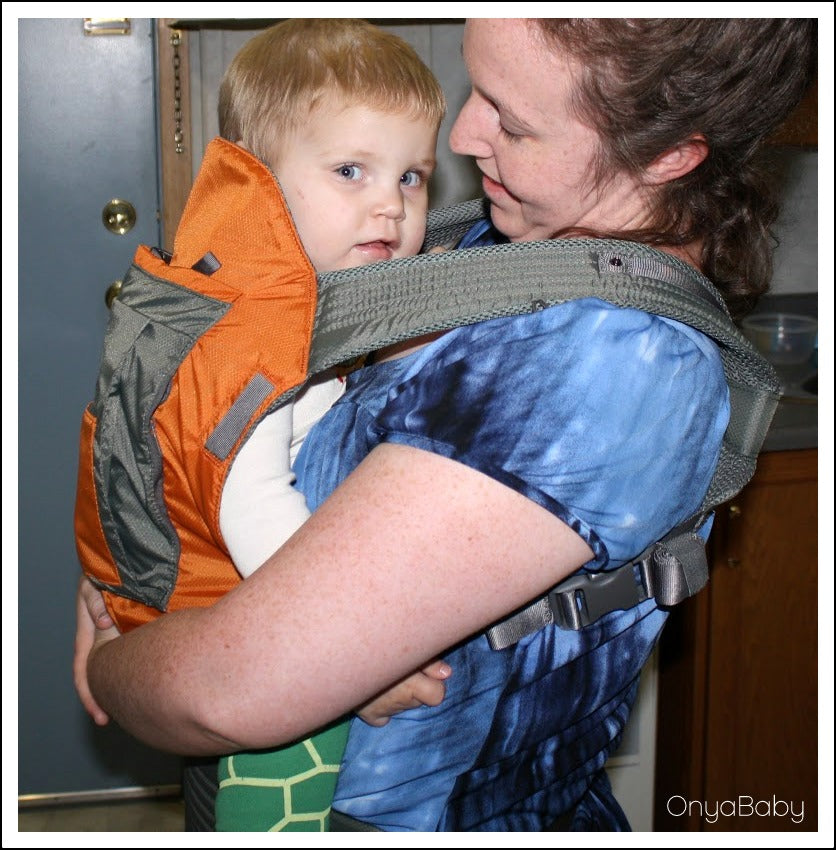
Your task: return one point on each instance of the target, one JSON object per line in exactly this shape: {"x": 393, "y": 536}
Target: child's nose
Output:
{"x": 390, "y": 203}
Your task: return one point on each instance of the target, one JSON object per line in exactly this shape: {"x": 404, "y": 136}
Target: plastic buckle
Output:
{"x": 581, "y": 600}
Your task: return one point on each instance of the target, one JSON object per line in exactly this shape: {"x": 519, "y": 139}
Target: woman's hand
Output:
{"x": 93, "y": 627}
{"x": 426, "y": 687}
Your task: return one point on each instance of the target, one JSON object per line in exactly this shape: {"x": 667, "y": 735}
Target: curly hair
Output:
{"x": 647, "y": 84}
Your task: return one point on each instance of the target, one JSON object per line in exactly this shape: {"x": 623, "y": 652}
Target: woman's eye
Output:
{"x": 507, "y": 134}
{"x": 411, "y": 179}
{"x": 350, "y": 172}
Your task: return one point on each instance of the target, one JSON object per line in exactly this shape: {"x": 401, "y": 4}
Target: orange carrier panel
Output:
{"x": 201, "y": 344}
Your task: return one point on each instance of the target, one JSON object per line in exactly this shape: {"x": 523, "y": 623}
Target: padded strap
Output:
{"x": 361, "y": 310}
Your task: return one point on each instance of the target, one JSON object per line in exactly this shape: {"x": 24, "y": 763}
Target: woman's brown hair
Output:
{"x": 647, "y": 84}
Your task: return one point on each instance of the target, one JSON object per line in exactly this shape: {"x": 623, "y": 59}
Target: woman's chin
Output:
{"x": 511, "y": 224}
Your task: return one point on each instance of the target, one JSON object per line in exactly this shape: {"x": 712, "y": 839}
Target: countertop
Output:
{"x": 795, "y": 424}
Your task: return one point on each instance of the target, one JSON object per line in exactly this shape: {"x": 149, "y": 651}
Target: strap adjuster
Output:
{"x": 583, "y": 599}
{"x": 670, "y": 571}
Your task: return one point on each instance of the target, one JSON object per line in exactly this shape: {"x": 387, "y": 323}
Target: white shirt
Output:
{"x": 260, "y": 509}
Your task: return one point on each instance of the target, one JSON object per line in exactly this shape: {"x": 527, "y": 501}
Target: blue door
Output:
{"x": 87, "y": 136}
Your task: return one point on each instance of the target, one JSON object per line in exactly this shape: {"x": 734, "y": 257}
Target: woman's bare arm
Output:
{"x": 412, "y": 553}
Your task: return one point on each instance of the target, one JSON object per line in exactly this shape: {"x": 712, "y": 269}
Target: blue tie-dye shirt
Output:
{"x": 611, "y": 419}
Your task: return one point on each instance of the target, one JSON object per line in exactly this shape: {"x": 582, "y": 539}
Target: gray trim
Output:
{"x": 231, "y": 427}
{"x": 153, "y": 326}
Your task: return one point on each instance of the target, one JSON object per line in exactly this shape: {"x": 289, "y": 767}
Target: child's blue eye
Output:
{"x": 350, "y": 172}
{"x": 411, "y": 179}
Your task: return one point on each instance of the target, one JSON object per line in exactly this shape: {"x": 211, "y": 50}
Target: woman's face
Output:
{"x": 534, "y": 155}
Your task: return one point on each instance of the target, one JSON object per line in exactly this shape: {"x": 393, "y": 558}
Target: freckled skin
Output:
{"x": 534, "y": 154}
{"x": 491, "y": 549}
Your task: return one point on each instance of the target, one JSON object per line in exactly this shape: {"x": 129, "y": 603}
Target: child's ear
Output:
{"x": 678, "y": 160}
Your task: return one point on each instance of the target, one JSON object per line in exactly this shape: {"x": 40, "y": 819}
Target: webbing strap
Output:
{"x": 671, "y": 571}
{"x": 227, "y": 432}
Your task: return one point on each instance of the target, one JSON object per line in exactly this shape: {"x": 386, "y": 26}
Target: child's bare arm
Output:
{"x": 424, "y": 687}
{"x": 93, "y": 624}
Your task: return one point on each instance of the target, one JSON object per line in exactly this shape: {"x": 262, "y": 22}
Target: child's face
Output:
{"x": 355, "y": 181}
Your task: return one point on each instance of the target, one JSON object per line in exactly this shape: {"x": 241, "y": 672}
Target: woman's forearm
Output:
{"x": 412, "y": 553}
{"x": 146, "y": 690}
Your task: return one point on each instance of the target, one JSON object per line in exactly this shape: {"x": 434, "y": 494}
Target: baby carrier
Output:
{"x": 199, "y": 346}
{"x": 206, "y": 341}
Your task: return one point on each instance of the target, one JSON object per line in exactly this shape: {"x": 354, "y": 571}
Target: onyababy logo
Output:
{"x": 743, "y": 806}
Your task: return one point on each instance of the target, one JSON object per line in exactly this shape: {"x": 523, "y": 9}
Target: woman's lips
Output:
{"x": 494, "y": 190}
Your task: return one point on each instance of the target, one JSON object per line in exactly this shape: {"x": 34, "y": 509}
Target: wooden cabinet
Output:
{"x": 737, "y": 711}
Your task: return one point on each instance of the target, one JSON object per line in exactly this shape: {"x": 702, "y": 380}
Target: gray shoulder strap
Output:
{"x": 363, "y": 309}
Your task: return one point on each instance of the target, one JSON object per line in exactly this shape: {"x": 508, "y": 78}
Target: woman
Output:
{"x": 474, "y": 474}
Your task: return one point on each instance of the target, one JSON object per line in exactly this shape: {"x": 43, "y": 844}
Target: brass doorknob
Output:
{"x": 119, "y": 216}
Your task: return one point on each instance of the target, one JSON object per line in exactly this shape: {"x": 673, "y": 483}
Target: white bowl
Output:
{"x": 785, "y": 339}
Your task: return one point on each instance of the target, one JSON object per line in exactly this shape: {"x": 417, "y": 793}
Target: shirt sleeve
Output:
{"x": 260, "y": 508}
{"x": 610, "y": 418}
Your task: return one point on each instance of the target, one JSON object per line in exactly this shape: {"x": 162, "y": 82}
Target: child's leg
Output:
{"x": 288, "y": 789}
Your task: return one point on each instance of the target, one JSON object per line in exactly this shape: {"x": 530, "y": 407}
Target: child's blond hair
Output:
{"x": 281, "y": 75}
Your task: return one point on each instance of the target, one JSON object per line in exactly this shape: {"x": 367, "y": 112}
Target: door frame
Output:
{"x": 175, "y": 133}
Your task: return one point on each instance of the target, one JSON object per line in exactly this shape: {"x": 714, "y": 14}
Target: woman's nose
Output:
{"x": 467, "y": 137}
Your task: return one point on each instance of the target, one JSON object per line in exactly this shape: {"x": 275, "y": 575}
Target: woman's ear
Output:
{"x": 678, "y": 160}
